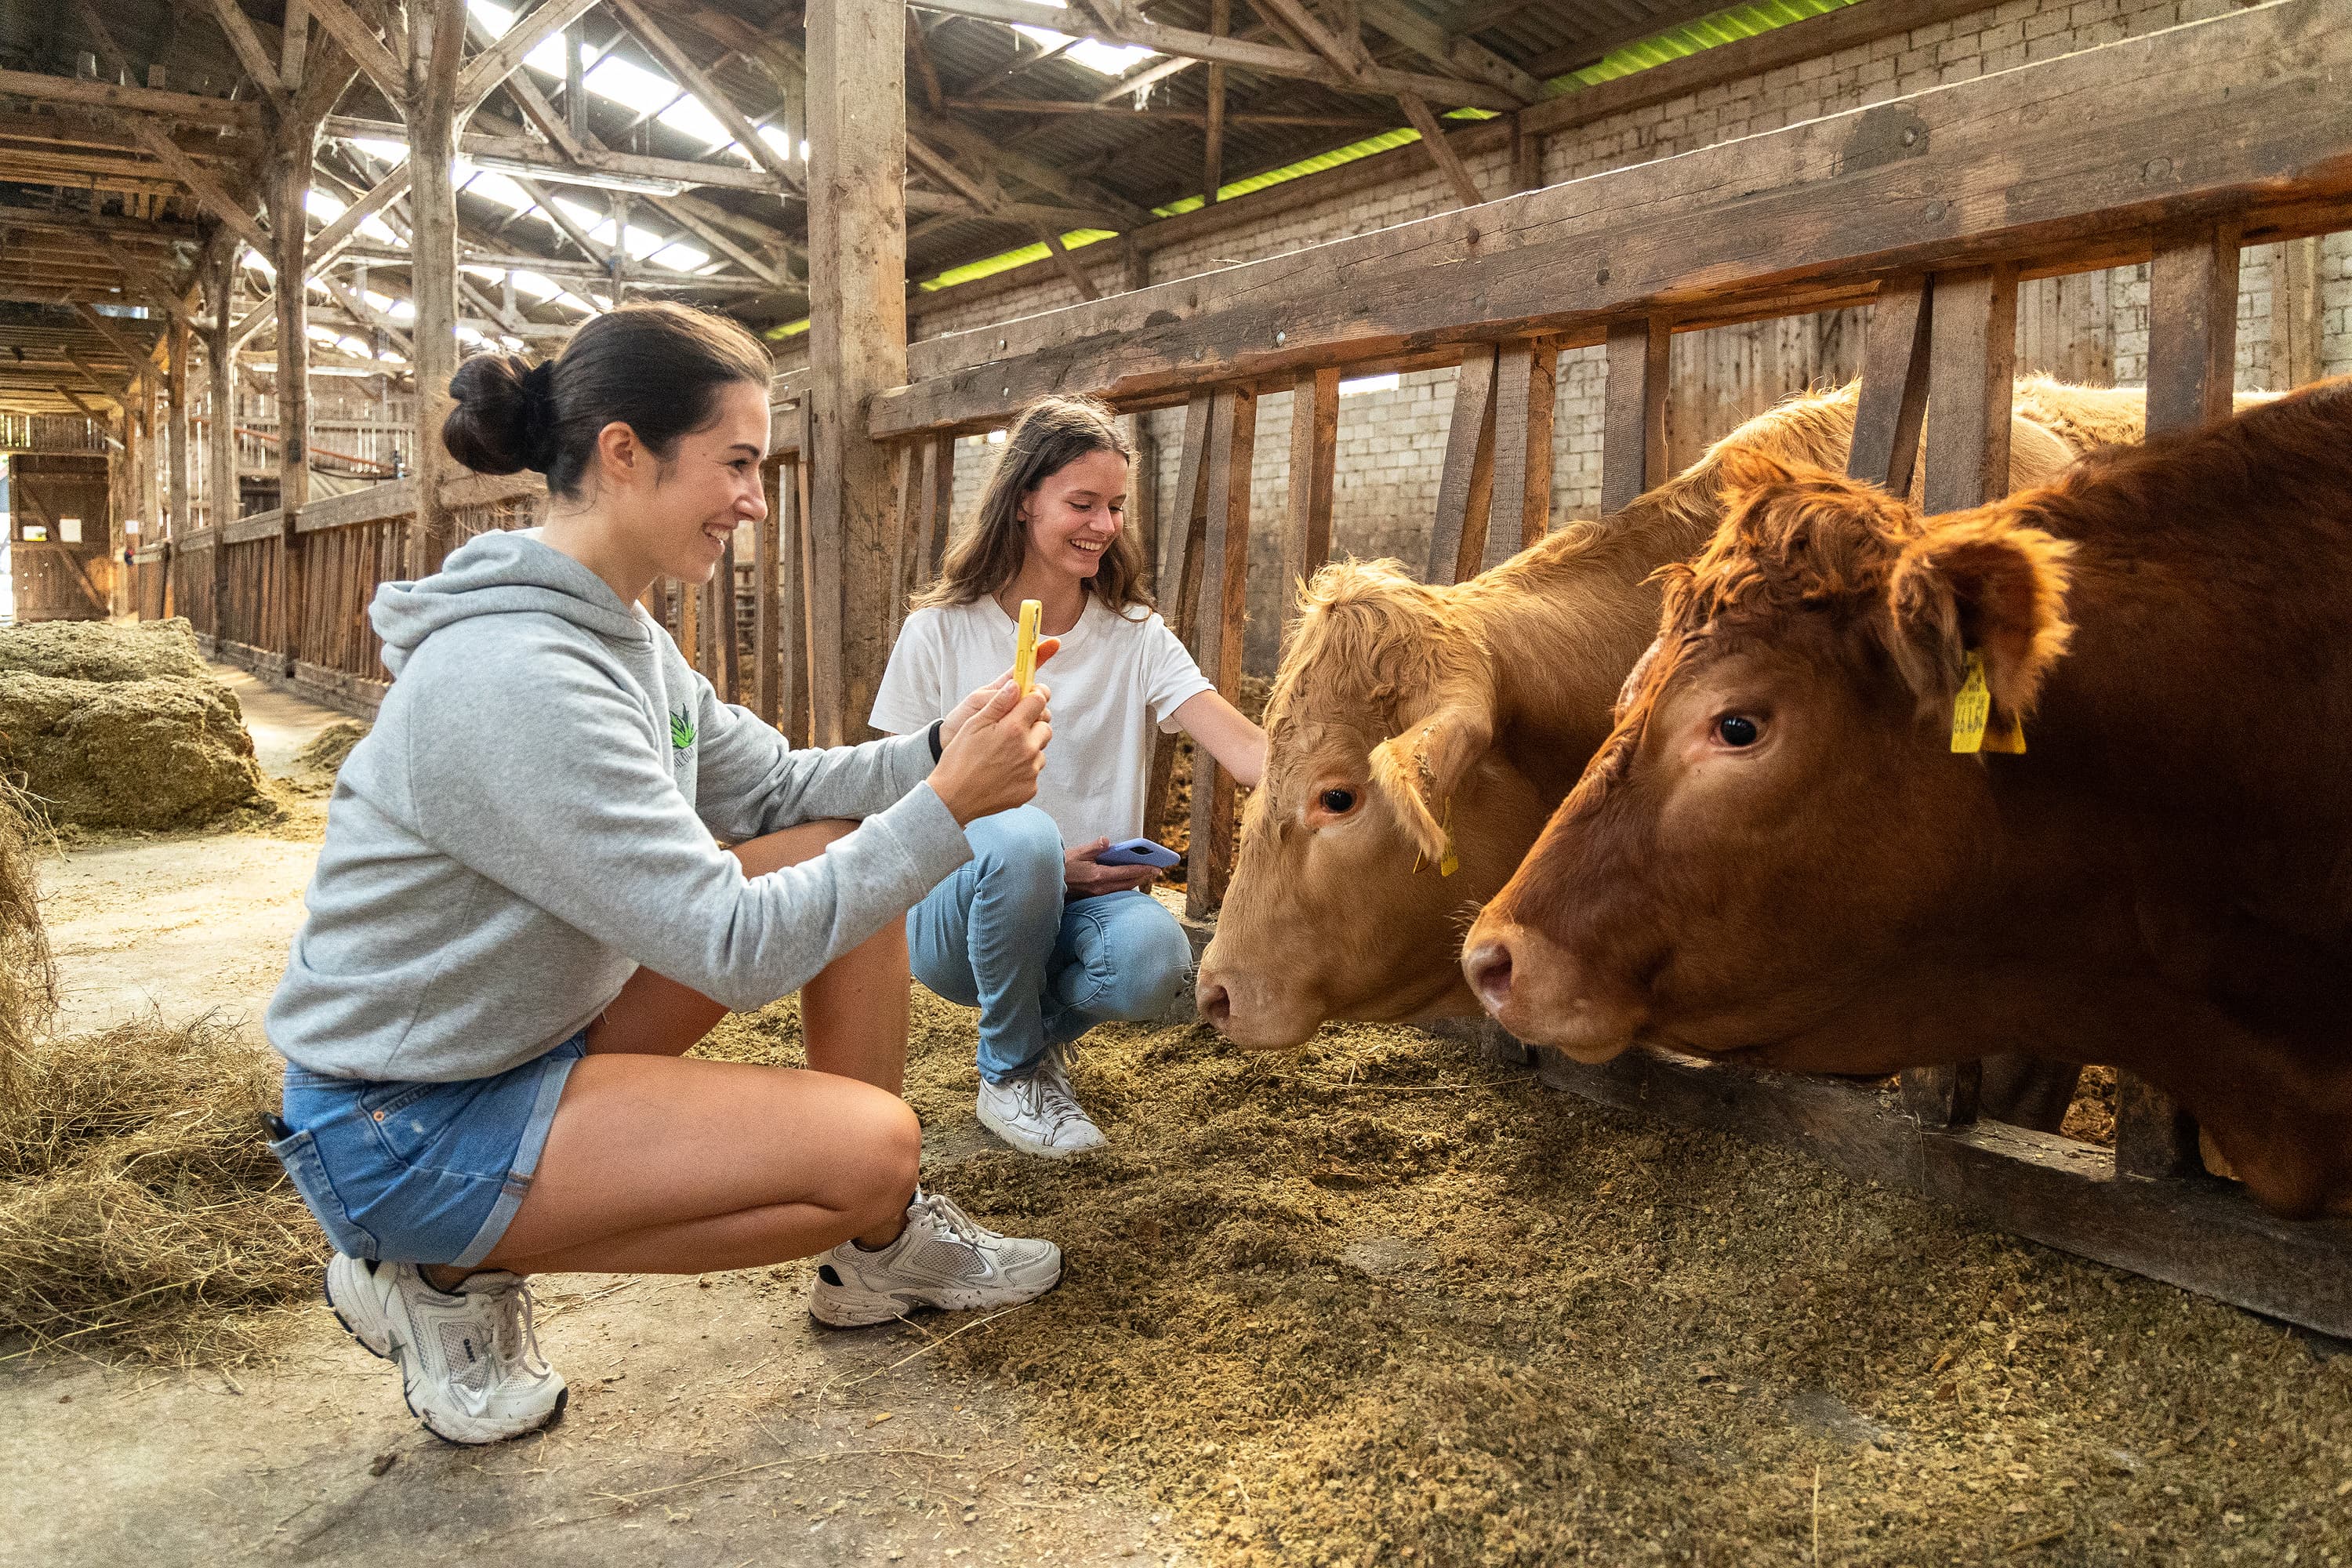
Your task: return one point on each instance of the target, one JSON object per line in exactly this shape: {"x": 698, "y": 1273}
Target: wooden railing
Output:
{"x": 50, "y": 433}
{"x": 2174, "y": 149}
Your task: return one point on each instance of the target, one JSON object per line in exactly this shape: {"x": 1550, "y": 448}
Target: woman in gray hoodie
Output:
{"x": 522, "y": 917}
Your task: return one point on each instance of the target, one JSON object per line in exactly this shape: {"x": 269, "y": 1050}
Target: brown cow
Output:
{"x": 1398, "y": 701}
{"x": 1782, "y": 853}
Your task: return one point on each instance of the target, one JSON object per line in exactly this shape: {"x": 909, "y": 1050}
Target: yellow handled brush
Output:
{"x": 1024, "y": 649}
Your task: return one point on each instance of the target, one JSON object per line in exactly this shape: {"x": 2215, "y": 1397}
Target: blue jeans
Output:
{"x": 998, "y": 936}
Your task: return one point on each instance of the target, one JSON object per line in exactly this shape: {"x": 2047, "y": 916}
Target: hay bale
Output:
{"x": 102, "y": 650}
{"x": 330, "y": 747}
{"x": 28, "y": 979}
{"x": 140, "y": 1210}
{"x": 121, "y": 726}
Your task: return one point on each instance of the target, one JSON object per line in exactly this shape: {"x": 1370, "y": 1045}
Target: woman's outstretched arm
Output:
{"x": 1238, "y": 745}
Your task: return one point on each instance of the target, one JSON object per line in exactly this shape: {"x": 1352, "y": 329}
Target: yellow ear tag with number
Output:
{"x": 1972, "y": 716}
{"x": 1024, "y": 646}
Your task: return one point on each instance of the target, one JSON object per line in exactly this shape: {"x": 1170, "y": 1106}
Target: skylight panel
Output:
{"x": 631, "y": 86}
{"x": 382, "y": 152}
{"x": 491, "y": 185}
{"x": 680, "y": 257}
{"x": 1104, "y": 60}
{"x": 537, "y": 285}
{"x": 689, "y": 117}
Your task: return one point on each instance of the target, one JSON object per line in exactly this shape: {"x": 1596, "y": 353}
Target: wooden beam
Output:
{"x": 1224, "y": 567}
{"x": 1526, "y": 398}
{"x": 1454, "y": 55}
{"x": 169, "y": 108}
{"x": 2192, "y": 328}
{"x": 435, "y": 43}
{"x": 1058, "y": 106}
{"x": 537, "y": 156}
{"x": 1565, "y": 259}
{"x": 1263, "y": 58}
{"x": 1069, "y": 264}
{"x": 1314, "y": 465}
{"x": 1634, "y": 417}
{"x": 1465, "y": 486}
{"x": 294, "y": 44}
{"x": 176, "y": 397}
{"x": 238, "y": 29}
{"x": 138, "y": 356}
{"x": 1213, "y": 153}
{"x": 362, "y": 42}
{"x": 503, "y": 58}
{"x": 1894, "y": 403}
{"x": 857, "y": 337}
{"x": 681, "y": 66}
{"x": 205, "y": 189}
{"x": 1969, "y": 382}
{"x": 1442, "y": 155}
{"x": 2296, "y": 313}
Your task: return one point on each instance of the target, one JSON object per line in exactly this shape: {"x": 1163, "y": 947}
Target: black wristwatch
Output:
{"x": 936, "y": 723}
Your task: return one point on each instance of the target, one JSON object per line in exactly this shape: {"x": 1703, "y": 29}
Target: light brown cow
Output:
{"x": 1785, "y": 853}
{"x": 1405, "y": 716}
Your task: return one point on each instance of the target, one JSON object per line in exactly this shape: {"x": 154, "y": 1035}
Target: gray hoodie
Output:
{"x": 532, "y": 818}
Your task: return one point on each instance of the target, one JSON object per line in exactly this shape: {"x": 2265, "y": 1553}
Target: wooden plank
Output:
{"x": 1974, "y": 345}
{"x": 1466, "y": 485}
{"x": 1905, "y": 178}
{"x": 1183, "y": 573}
{"x": 767, "y": 598}
{"x": 1212, "y": 147}
{"x": 2192, "y": 328}
{"x": 2154, "y": 1137}
{"x": 723, "y": 618}
{"x": 504, "y": 57}
{"x": 2204, "y": 1236}
{"x": 938, "y": 500}
{"x": 810, "y": 675}
{"x": 1314, "y": 465}
{"x": 1442, "y": 154}
{"x": 1533, "y": 474}
{"x": 1894, "y": 403}
{"x": 2296, "y": 313}
{"x": 1225, "y": 575}
{"x": 1633, "y": 417}
{"x": 1944, "y": 1094}
{"x": 436, "y": 32}
{"x": 858, "y": 338}
{"x": 167, "y": 107}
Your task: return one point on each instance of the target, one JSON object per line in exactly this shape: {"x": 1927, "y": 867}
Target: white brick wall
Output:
{"x": 1393, "y": 443}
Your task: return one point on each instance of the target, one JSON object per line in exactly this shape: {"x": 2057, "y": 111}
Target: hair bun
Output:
{"x": 505, "y": 415}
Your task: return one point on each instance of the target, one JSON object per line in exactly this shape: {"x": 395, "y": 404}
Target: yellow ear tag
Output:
{"x": 1453, "y": 862}
{"x": 1972, "y": 715}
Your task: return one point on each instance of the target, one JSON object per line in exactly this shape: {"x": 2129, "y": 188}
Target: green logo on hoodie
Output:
{"x": 681, "y": 730}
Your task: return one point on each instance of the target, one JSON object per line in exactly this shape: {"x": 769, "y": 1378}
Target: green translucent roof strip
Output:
{"x": 1723, "y": 28}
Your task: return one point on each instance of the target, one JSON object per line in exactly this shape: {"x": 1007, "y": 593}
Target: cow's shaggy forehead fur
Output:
{"x": 1369, "y": 640}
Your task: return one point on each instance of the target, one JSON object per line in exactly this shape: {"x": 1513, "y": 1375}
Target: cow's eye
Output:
{"x": 1338, "y": 802}
{"x": 1737, "y": 730}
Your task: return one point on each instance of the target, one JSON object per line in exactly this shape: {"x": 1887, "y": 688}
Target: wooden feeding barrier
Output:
{"x": 2173, "y": 149}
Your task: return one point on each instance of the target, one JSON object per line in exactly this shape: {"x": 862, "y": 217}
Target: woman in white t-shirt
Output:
{"x": 1042, "y": 939}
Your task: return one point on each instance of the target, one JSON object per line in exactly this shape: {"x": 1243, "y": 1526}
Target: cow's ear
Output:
{"x": 1978, "y": 583}
{"x": 1419, "y": 770}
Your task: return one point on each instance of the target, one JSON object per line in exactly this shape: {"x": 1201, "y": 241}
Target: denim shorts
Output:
{"x": 420, "y": 1172}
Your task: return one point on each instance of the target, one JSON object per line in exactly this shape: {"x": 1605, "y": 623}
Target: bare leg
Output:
{"x": 656, "y": 1164}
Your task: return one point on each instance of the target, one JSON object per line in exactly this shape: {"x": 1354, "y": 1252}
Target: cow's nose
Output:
{"x": 1215, "y": 1005}
{"x": 1488, "y": 967}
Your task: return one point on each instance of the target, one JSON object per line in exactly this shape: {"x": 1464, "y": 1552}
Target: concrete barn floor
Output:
{"x": 710, "y": 1422}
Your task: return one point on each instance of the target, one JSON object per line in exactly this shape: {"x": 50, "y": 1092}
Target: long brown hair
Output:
{"x": 1050, "y": 434}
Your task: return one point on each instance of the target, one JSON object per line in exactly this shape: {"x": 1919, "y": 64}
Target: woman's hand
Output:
{"x": 1085, "y": 878}
{"x": 973, "y": 704}
{"x": 992, "y": 763}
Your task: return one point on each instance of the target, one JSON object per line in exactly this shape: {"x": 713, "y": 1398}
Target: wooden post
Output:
{"x": 1893, "y": 402}
{"x": 219, "y": 274}
{"x": 1970, "y": 379}
{"x": 800, "y": 613}
{"x": 437, "y": 29}
{"x": 1314, "y": 463}
{"x": 293, "y": 146}
{"x": 1182, "y": 580}
{"x": 1634, "y": 417}
{"x": 688, "y": 636}
{"x": 1465, "y": 486}
{"x": 2295, "y": 315}
{"x": 726, "y": 670}
{"x": 1525, "y": 389}
{"x": 857, "y": 334}
{"x": 1527, "y": 156}
{"x": 1224, "y": 570}
{"x": 1943, "y": 1096}
{"x": 1213, "y": 160}
{"x": 2192, "y": 346}
{"x": 767, "y": 599}
{"x": 2192, "y": 329}
{"x": 176, "y": 402}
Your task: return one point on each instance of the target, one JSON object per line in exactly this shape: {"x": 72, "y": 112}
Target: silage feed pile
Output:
{"x": 121, "y": 726}
{"x": 1382, "y": 1300}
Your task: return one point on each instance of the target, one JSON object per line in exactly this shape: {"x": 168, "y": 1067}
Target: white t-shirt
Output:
{"x": 1113, "y": 679}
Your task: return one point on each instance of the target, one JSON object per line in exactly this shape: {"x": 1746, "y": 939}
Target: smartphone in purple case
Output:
{"x": 1137, "y": 852}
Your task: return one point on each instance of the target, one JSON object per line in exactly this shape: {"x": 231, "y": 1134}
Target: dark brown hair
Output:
{"x": 1050, "y": 435}
{"x": 657, "y": 368}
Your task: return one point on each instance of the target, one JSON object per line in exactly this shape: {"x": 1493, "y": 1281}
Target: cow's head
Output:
{"x": 1381, "y": 774}
{"x": 1778, "y": 806}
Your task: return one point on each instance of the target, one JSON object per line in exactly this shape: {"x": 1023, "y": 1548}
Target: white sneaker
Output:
{"x": 1039, "y": 1114}
{"x": 468, "y": 1358}
{"x": 941, "y": 1259}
